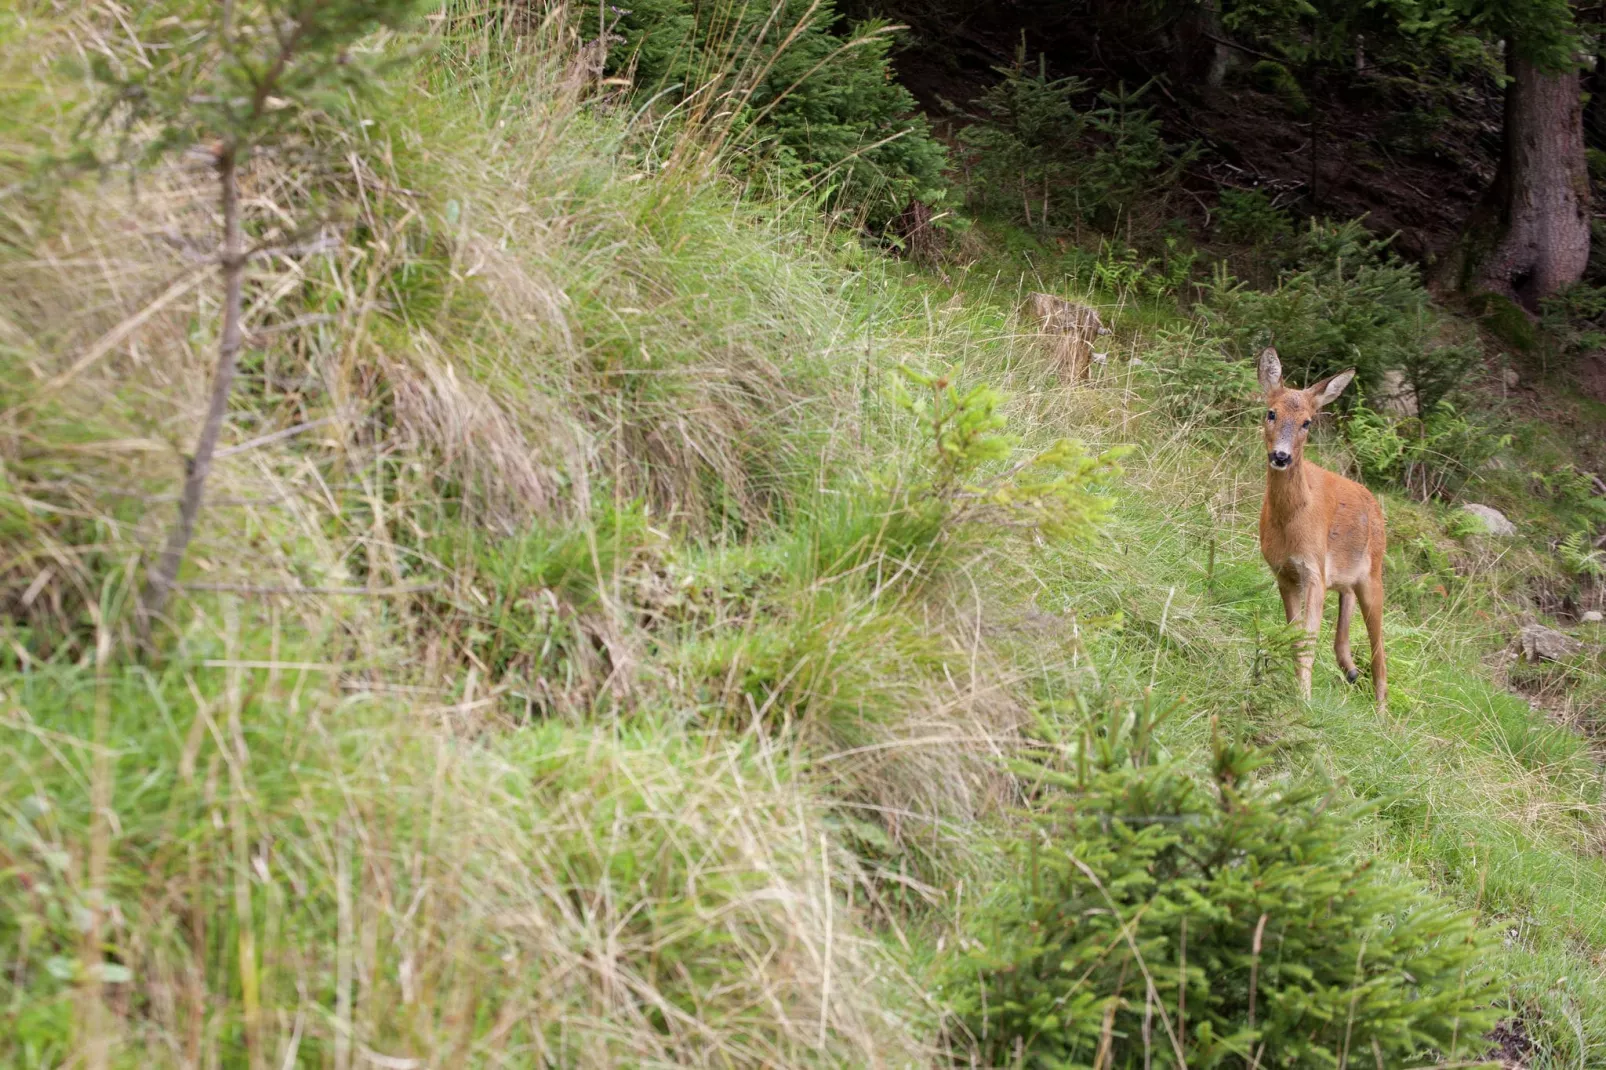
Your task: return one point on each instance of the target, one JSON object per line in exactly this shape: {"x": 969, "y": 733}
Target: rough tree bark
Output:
{"x": 1543, "y": 189}
{"x": 1201, "y": 54}
{"x": 160, "y": 582}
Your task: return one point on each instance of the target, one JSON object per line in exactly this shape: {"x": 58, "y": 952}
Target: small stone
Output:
{"x": 1512, "y": 379}
{"x": 1101, "y": 358}
{"x": 1493, "y": 520}
{"x": 1135, "y": 362}
{"x": 1546, "y": 644}
{"x": 1592, "y": 616}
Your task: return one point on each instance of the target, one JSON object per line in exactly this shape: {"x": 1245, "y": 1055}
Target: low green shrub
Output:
{"x": 1199, "y": 381}
{"x": 1052, "y": 493}
{"x": 1041, "y": 154}
{"x": 1576, "y": 316}
{"x": 824, "y": 102}
{"x": 1269, "y": 76}
{"x": 1251, "y": 217}
{"x": 1430, "y": 456}
{"x": 1346, "y": 302}
{"x": 1581, "y": 557}
{"x": 1160, "y": 917}
{"x": 1506, "y": 320}
{"x": 1121, "y": 269}
{"x": 1024, "y": 148}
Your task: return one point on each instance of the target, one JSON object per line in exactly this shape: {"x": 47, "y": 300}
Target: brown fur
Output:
{"x": 1318, "y": 530}
{"x": 1068, "y": 330}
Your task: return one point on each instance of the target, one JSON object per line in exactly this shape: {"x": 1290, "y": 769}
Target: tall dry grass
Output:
{"x": 322, "y": 827}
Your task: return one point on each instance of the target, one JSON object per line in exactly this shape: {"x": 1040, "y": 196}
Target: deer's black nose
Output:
{"x": 1279, "y": 459}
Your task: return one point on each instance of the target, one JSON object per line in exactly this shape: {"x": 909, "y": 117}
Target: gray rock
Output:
{"x": 1511, "y": 378}
{"x": 1493, "y": 520}
{"x": 1546, "y": 644}
{"x": 1592, "y": 616}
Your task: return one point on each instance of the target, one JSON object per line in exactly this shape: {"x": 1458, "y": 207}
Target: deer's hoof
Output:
{"x": 1352, "y": 675}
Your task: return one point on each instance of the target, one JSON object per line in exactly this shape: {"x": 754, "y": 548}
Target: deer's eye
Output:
{"x": 1305, "y": 426}
{"x": 1271, "y": 414}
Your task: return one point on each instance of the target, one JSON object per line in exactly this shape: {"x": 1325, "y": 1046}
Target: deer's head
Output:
{"x": 1289, "y": 412}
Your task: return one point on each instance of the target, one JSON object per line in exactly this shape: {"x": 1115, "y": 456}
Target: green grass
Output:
{"x": 624, "y": 722}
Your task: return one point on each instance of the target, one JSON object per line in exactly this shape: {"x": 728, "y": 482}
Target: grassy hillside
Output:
{"x": 585, "y": 659}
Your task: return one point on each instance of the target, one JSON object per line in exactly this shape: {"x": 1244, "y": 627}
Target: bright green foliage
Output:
{"x": 1581, "y": 558}
{"x": 1158, "y": 916}
{"x": 1413, "y": 34}
{"x": 1576, "y": 315}
{"x": 1054, "y": 161}
{"x": 1053, "y": 492}
{"x": 822, "y": 105}
{"x": 1431, "y": 456}
{"x": 1347, "y": 302}
{"x": 1121, "y": 269}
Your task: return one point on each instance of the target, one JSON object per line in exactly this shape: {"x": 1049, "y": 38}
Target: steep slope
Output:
{"x": 555, "y": 679}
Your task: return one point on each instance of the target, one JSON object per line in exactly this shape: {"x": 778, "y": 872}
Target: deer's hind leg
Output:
{"x": 1370, "y": 596}
{"x": 1346, "y": 610}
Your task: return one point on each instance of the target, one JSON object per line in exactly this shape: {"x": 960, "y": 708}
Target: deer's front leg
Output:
{"x": 1293, "y": 598}
{"x": 1315, "y": 596}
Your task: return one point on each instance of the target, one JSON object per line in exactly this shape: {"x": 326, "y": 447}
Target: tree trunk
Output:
{"x": 1200, "y": 53}
{"x": 160, "y": 583}
{"x": 1543, "y": 242}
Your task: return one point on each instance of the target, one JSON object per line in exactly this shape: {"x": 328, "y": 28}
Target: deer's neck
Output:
{"x": 1288, "y": 491}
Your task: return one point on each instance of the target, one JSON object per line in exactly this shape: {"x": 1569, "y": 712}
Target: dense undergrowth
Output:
{"x": 595, "y": 652}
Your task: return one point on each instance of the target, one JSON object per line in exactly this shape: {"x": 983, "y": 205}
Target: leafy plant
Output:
{"x": 1275, "y": 78}
{"x": 1122, "y": 269}
{"x": 1053, "y": 492}
{"x": 1028, "y": 141}
{"x": 1582, "y": 558}
{"x": 1577, "y": 316}
{"x": 1430, "y": 457}
{"x": 1063, "y": 163}
{"x": 1130, "y": 159}
{"x": 1159, "y": 917}
{"x": 1199, "y": 381}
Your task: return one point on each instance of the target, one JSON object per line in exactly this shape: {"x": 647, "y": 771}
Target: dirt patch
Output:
{"x": 1512, "y": 1046}
{"x": 1591, "y": 374}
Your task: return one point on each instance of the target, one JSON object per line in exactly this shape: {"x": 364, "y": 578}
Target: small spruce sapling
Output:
{"x": 1053, "y": 492}
{"x": 1162, "y": 915}
{"x": 231, "y": 78}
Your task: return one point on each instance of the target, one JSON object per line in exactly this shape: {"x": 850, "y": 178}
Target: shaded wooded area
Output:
{"x": 1396, "y": 112}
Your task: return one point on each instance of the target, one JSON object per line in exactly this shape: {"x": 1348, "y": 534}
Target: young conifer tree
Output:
{"x": 229, "y": 78}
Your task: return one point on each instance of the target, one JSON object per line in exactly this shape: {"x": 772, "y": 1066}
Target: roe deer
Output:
{"x": 1319, "y": 530}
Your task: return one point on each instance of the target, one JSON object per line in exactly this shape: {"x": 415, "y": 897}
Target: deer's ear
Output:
{"x": 1271, "y": 370}
{"x": 1328, "y": 389}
